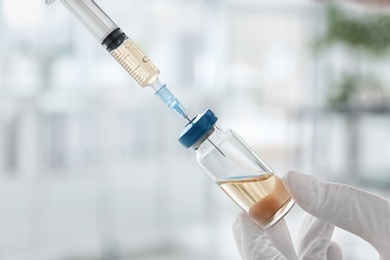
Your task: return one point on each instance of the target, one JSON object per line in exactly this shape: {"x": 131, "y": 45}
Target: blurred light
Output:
{"x": 22, "y": 14}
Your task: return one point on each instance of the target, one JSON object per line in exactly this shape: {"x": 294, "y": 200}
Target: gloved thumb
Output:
{"x": 252, "y": 241}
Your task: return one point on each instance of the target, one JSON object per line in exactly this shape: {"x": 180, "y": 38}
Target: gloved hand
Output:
{"x": 329, "y": 205}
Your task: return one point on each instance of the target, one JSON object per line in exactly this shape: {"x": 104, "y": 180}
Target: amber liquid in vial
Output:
{"x": 263, "y": 197}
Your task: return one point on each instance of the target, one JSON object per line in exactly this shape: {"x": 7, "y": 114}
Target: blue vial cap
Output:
{"x": 197, "y": 128}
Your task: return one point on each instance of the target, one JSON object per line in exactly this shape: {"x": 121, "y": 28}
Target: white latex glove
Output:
{"x": 329, "y": 204}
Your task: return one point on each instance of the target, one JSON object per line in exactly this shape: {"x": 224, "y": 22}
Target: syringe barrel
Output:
{"x": 131, "y": 58}
{"x": 92, "y": 16}
{"x": 128, "y": 55}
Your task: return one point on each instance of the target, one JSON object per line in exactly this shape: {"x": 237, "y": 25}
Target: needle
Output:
{"x": 219, "y": 150}
{"x": 216, "y": 147}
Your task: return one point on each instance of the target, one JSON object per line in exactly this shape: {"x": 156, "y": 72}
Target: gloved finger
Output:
{"x": 252, "y": 241}
{"x": 314, "y": 241}
{"x": 334, "y": 251}
{"x": 351, "y": 209}
{"x": 281, "y": 238}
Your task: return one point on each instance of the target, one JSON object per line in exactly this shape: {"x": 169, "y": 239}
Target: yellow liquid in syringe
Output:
{"x": 136, "y": 63}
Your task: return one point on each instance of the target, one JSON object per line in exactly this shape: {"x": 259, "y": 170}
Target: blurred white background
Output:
{"x": 90, "y": 166}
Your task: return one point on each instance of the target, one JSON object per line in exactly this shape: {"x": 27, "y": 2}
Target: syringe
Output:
{"x": 128, "y": 55}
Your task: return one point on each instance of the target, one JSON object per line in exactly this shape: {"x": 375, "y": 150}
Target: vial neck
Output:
{"x": 204, "y": 137}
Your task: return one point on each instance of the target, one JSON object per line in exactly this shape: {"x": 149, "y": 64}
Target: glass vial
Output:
{"x": 237, "y": 169}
